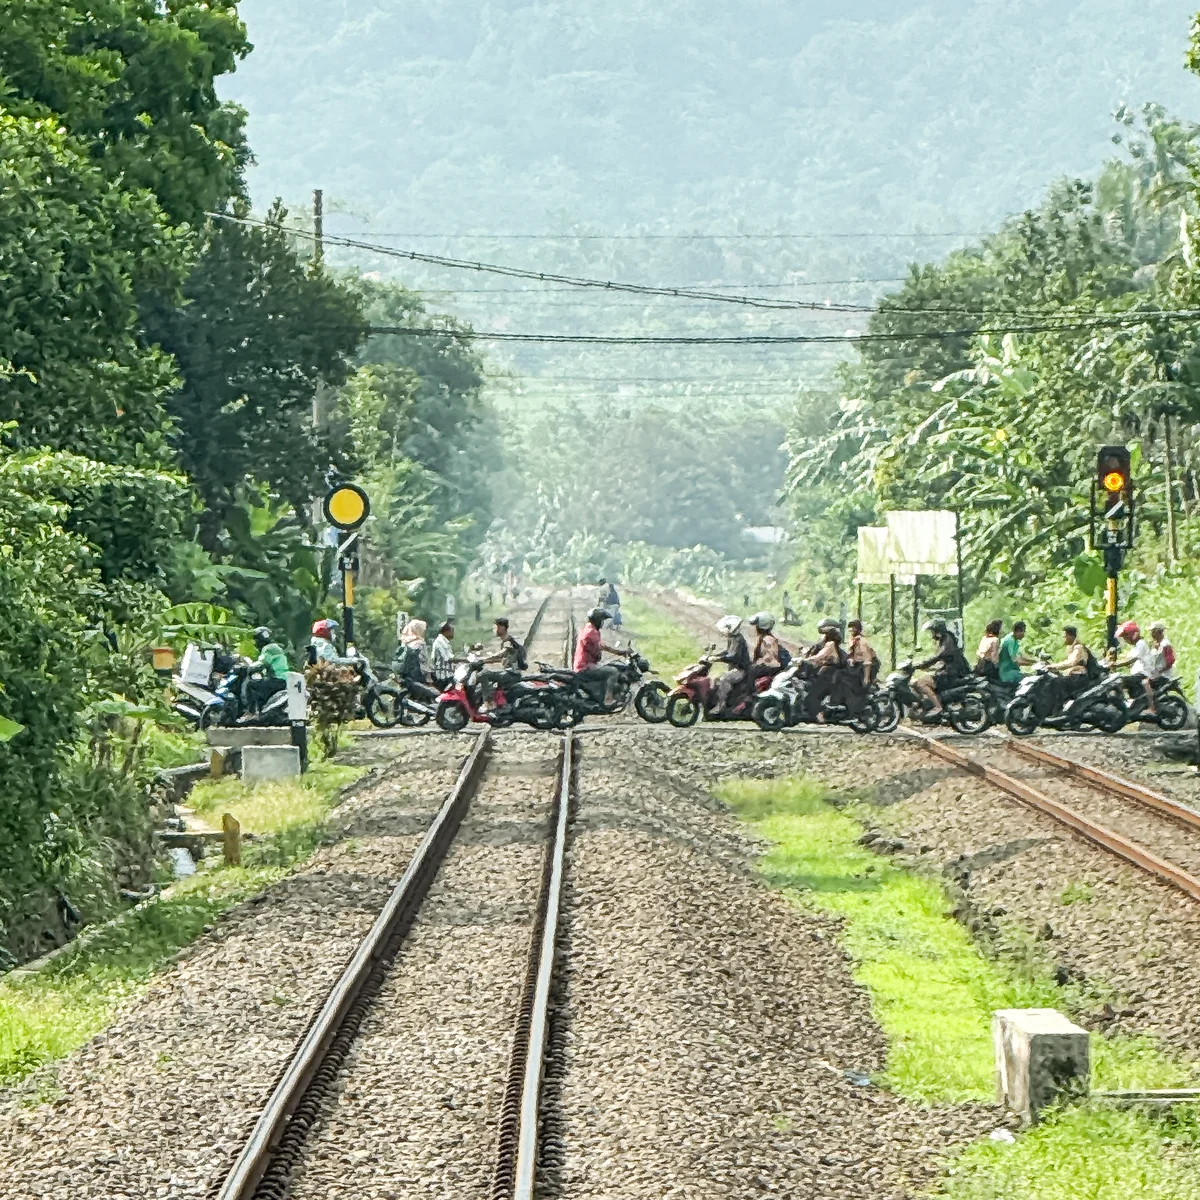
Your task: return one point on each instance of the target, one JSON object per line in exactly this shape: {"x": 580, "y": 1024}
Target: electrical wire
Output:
{"x": 1100, "y": 322}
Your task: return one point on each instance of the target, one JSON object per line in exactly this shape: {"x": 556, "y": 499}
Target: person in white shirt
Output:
{"x": 442, "y": 655}
{"x": 1145, "y": 663}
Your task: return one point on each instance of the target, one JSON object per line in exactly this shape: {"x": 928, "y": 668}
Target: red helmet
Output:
{"x": 324, "y": 629}
{"x": 1129, "y": 629}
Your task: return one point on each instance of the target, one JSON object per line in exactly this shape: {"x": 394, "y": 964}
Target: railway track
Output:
{"x": 447, "y": 995}
{"x": 1153, "y": 832}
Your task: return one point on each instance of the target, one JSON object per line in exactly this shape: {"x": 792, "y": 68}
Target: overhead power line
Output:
{"x": 779, "y": 339}
{"x": 864, "y": 235}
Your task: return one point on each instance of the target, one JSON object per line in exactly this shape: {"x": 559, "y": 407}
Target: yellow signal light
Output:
{"x": 347, "y": 506}
{"x": 1114, "y": 481}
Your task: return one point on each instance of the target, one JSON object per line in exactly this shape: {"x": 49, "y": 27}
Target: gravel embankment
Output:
{"x": 155, "y": 1106}
{"x": 418, "y": 1106}
{"x": 1033, "y": 889}
{"x": 712, "y": 1030}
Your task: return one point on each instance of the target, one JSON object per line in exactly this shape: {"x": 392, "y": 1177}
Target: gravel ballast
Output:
{"x": 155, "y": 1106}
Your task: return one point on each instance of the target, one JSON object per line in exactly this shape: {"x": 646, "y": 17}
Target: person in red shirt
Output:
{"x": 589, "y": 650}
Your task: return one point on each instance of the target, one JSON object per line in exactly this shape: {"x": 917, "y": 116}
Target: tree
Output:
{"x": 133, "y": 82}
{"x": 256, "y": 337}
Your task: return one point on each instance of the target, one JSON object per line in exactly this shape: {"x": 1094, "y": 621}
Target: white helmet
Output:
{"x": 729, "y": 625}
{"x": 763, "y": 622}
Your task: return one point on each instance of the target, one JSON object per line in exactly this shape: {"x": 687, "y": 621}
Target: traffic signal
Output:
{"x": 1114, "y": 479}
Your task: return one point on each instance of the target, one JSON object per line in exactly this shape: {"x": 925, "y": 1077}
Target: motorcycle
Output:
{"x": 964, "y": 707}
{"x": 225, "y": 708}
{"x": 1170, "y": 704}
{"x": 198, "y": 679}
{"x": 536, "y": 701}
{"x": 1038, "y": 703}
{"x": 387, "y": 705}
{"x": 695, "y": 692}
{"x": 649, "y": 700}
{"x": 785, "y": 703}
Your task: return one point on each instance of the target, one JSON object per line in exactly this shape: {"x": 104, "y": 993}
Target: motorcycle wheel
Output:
{"x": 770, "y": 714}
{"x": 452, "y": 717}
{"x": 887, "y": 714}
{"x": 969, "y": 715}
{"x": 651, "y": 702}
{"x": 1107, "y": 718}
{"x": 210, "y": 718}
{"x": 386, "y": 708}
{"x": 1172, "y": 712}
{"x": 865, "y": 722}
{"x": 1020, "y": 718}
{"x": 683, "y": 712}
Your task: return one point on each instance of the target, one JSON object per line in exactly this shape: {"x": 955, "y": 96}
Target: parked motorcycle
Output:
{"x": 198, "y": 679}
{"x": 1038, "y": 704}
{"x": 532, "y": 700}
{"x": 964, "y": 706}
{"x": 225, "y": 708}
{"x": 695, "y": 692}
{"x": 786, "y": 703}
{"x": 387, "y": 704}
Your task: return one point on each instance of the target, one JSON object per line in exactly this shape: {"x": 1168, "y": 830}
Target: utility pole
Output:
{"x": 318, "y": 261}
{"x": 1169, "y": 470}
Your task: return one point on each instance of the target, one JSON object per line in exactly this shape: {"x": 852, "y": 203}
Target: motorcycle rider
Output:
{"x": 511, "y": 657}
{"x": 322, "y": 648}
{"x": 766, "y": 657}
{"x": 592, "y": 674}
{"x": 1075, "y": 668}
{"x": 736, "y": 658}
{"x": 1145, "y": 666}
{"x": 272, "y": 665}
{"x": 948, "y": 666}
{"x": 825, "y": 659}
{"x": 1011, "y": 659}
{"x": 412, "y": 663}
{"x": 861, "y": 654}
{"x": 987, "y": 657}
{"x": 441, "y": 658}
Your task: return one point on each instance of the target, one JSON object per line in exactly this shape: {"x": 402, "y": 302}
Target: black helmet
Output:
{"x": 262, "y": 635}
{"x": 937, "y": 627}
{"x": 829, "y": 623}
{"x": 597, "y": 616}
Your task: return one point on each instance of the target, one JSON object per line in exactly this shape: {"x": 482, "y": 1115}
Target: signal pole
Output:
{"x": 1113, "y": 485}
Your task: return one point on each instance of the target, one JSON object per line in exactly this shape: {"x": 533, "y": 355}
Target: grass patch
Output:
{"x": 48, "y": 1013}
{"x": 933, "y": 993}
{"x": 669, "y": 647}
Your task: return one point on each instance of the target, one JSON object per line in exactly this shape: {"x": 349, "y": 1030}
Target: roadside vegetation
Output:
{"x": 48, "y": 1012}
{"x": 668, "y": 647}
{"x": 933, "y": 992}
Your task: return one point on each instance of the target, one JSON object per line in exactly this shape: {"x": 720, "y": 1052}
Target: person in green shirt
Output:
{"x": 272, "y": 665}
{"x": 1011, "y": 658}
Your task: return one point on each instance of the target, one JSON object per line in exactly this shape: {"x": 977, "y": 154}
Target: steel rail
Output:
{"x": 1109, "y": 783}
{"x": 517, "y": 1143}
{"x": 263, "y": 1166}
{"x": 1131, "y": 852}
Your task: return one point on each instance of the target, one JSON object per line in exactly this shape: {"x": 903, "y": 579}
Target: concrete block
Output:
{"x": 1041, "y": 1058}
{"x": 238, "y": 736}
{"x": 270, "y": 762}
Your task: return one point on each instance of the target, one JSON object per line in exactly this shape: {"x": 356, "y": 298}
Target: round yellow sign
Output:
{"x": 347, "y": 506}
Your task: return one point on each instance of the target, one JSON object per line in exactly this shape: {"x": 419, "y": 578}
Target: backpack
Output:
{"x": 1168, "y": 654}
{"x": 1093, "y": 665}
{"x": 522, "y": 657}
{"x": 785, "y": 656}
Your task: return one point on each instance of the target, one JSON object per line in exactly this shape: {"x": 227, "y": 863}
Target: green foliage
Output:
{"x": 256, "y": 337}
{"x": 75, "y": 252}
{"x": 934, "y": 992}
{"x": 133, "y": 82}
{"x": 332, "y": 702}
